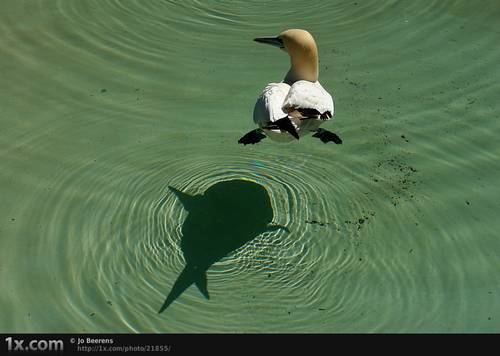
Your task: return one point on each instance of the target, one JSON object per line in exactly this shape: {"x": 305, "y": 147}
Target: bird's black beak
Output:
{"x": 273, "y": 41}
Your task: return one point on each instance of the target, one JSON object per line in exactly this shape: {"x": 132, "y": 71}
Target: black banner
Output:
{"x": 87, "y": 343}
{"x": 196, "y": 344}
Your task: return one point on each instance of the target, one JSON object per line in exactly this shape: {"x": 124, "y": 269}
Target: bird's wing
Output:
{"x": 308, "y": 99}
{"x": 268, "y": 107}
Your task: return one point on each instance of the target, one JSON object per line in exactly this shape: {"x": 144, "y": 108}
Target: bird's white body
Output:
{"x": 299, "y": 104}
{"x": 280, "y": 100}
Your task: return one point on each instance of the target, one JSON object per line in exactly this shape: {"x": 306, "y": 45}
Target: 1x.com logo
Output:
{"x": 34, "y": 345}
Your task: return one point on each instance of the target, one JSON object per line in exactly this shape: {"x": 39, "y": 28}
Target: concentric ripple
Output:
{"x": 124, "y": 226}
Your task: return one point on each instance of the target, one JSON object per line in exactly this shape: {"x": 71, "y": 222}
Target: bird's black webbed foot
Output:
{"x": 252, "y": 137}
{"x": 326, "y": 136}
{"x": 284, "y": 124}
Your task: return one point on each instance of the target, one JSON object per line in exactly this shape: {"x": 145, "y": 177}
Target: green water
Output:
{"x": 105, "y": 104}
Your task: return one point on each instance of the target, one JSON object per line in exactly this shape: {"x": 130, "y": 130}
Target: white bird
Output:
{"x": 298, "y": 105}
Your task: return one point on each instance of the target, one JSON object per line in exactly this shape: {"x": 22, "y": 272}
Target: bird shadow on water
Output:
{"x": 227, "y": 216}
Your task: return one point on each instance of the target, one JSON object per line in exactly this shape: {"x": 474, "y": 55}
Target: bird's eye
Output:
{"x": 280, "y": 40}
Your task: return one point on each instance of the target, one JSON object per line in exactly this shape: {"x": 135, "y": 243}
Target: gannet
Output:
{"x": 298, "y": 105}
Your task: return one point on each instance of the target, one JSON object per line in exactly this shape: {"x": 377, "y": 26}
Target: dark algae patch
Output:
{"x": 359, "y": 222}
{"x": 315, "y": 222}
{"x": 397, "y": 178}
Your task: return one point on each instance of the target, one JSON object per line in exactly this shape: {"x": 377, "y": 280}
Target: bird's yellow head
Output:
{"x": 301, "y": 47}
